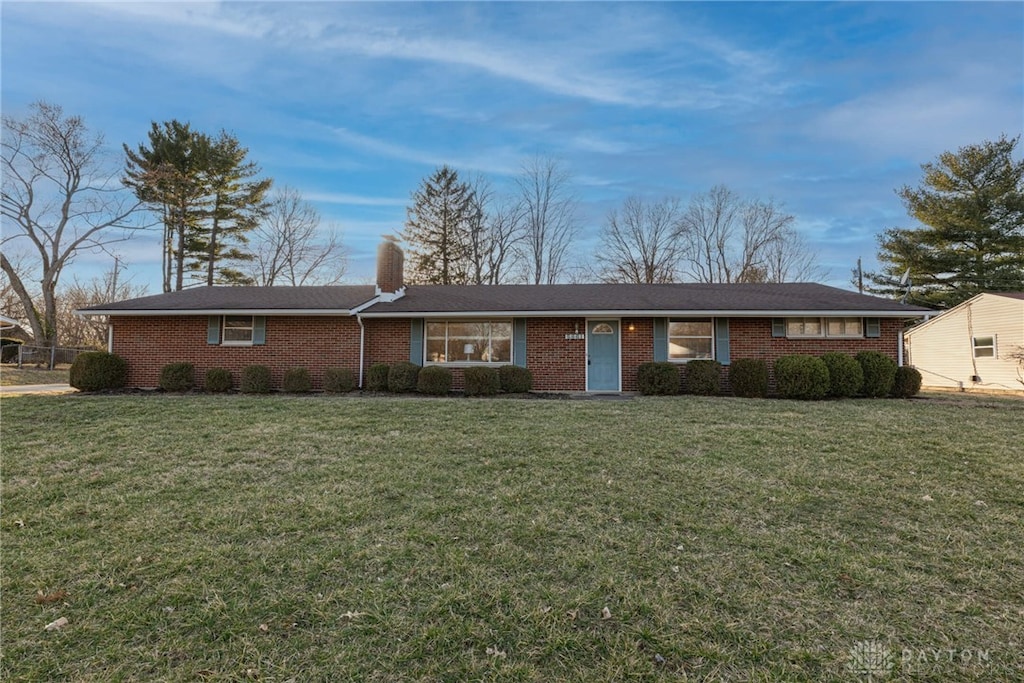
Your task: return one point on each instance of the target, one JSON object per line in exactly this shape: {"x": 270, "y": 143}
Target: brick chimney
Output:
{"x": 390, "y": 264}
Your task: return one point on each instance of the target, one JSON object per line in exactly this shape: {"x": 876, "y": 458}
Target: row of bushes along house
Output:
{"x": 833, "y": 375}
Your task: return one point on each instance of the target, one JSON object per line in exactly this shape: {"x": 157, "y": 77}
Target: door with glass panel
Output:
{"x": 603, "y": 355}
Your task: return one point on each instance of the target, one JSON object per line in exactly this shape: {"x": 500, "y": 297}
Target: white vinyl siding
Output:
{"x": 970, "y": 342}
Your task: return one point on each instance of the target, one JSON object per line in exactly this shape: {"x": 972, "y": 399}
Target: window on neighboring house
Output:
{"x": 238, "y": 329}
{"x": 824, "y": 327}
{"x": 984, "y": 347}
{"x": 690, "y": 339}
{"x": 477, "y": 341}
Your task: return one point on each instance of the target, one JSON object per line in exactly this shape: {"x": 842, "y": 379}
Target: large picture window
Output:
{"x": 476, "y": 341}
{"x": 690, "y": 339}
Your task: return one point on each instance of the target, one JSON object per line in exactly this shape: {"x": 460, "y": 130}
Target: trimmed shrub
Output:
{"x": 749, "y": 378}
{"x": 801, "y": 377}
{"x": 658, "y": 379}
{"x": 434, "y": 380}
{"x": 515, "y": 379}
{"x": 297, "y": 381}
{"x": 703, "y": 377}
{"x": 255, "y": 380}
{"x": 907, "y": 383}
{"x": 846, "y": 378}
{"x": 339, "y": 380}
{"x": 177, "y": 377}
{"x": 377, "y": 377}
{"x": 402, "y": 377}
{"x": 481, "y": 381}
{"x": 98, "y": 371}
{"x": 879, "y": 373}
{"x": 218, "y": 380}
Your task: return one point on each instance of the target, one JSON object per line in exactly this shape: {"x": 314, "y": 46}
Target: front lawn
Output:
{"x": 280, "y": 538}
{"x": 12, "y": 375}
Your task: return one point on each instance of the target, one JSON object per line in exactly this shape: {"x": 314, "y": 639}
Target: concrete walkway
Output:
{"x": 37, "y": 389}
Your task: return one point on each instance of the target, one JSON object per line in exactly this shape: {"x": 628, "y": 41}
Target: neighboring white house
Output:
{"x": 972, "y": 345}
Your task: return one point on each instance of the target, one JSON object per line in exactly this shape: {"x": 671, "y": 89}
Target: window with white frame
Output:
{"x": 984, "y": 347}
{"x": 844, "y": 327}
{"x": 824, "y": 327}
{"x": 469, "y": 341}
{"x": 690, "y": 339}
{"x": 804, "y": 327}
{"x": 238, "y": 329}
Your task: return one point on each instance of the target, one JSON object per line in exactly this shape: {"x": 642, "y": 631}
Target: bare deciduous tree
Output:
{"x": 288, "y": 246}
{"x": 549, "y": 227}
{"x": 729, "y": 239}
{"x": 494, "y": 229}
{"x": 640, "y": 244}
{"x": 59, "y": 198}
{"x": 76, "y": 330}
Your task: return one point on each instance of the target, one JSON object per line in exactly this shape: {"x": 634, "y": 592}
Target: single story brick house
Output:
{"x": 584, "y": 337}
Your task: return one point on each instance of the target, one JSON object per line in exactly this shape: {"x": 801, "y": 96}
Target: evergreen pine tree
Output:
{"x": 436, "y": 229}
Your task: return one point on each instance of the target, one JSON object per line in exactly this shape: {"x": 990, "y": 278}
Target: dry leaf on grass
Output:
{"x": 47, "y": 598}
{"x": 54, "y": 625}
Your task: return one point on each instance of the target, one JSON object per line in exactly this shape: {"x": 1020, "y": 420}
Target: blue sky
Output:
{"x": 824, "y": 107}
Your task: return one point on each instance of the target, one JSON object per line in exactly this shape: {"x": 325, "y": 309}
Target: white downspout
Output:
{"x": 362, "y": 347}
{"x": 899, "y": 350}
{"x": 110, "y": 337}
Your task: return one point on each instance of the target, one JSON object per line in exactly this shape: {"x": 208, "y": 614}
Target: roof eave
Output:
{"x": 219, "y": 311}
{"x": 644, "y": 313}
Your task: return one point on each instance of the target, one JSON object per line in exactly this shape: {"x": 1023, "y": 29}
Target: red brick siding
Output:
{"x": 150, "y": 342}
{"x": 557, "y": 363}
{"x": 752, "y": 338}
{"x": 317, "y": 343}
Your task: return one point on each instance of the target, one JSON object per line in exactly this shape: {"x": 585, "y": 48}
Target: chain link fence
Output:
{"x": 48, "y": 356}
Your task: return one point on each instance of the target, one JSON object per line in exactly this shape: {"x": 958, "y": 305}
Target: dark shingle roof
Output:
{"x": 1011, "y": 295}
{"x": 325, "y": 298}
{"x": 791, "y": 298}
{"x": 596, "y": 298}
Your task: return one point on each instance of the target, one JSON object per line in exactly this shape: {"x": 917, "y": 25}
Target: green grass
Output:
{"x": 277, "y": 538}
{"x": 12, "y": 375}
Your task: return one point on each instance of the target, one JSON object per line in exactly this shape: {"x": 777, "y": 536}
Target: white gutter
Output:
{"x": 222, "y": 311}
{"x": 647, "y": 313}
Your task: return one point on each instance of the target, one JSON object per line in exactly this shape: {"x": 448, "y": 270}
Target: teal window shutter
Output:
{"x": 872, "y": 327}
{"x": 661, "y": 339}
{"x": 722, "y": 340}
{"x": 416, "y": 341}
{"x": 259, "y": 330}
{"x": 519, "y": 342}
{"x": 778, "y": 327}
{"x": 213, "y": 329}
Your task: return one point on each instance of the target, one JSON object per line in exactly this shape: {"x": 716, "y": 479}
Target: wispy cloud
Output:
{"x": 590, "y": 63}
{"x": 353, "y": 199}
